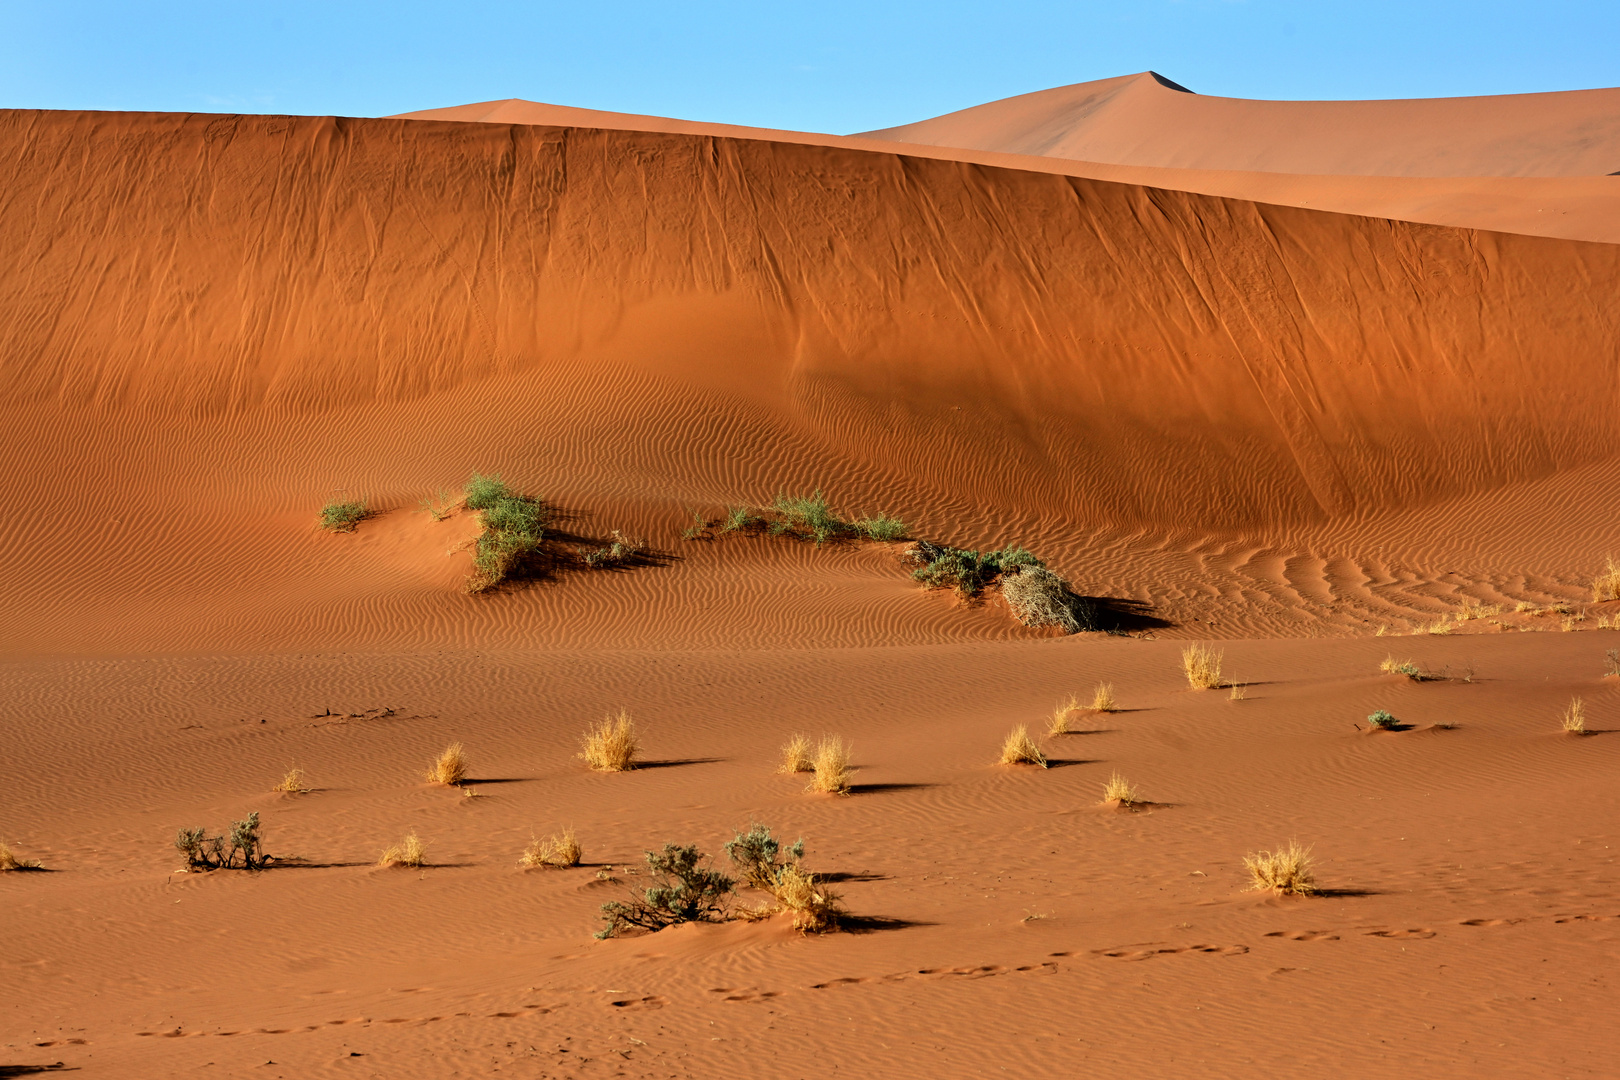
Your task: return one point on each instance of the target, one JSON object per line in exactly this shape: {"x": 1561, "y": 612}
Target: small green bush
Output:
{"x": 806, "y": 516}
{"x": 514, "y": 526}
{"x": 203, "y": 852}
{"x": 758, "y": 856}
{"x": 968, "y": 572}
{"x": 739, "y": 517}
{"x": 881, "y": 527}
{"x": 682, "y": 891}
{"x": 483, "y": 492}
{"x": 1382, "y": 720}
{"x": 343, "y": 516}
{"x": 620, "y": 551}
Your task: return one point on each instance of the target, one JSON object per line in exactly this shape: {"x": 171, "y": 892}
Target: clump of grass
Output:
{"x": 514, "y": 527}
{"x": 450, "y": 768}
{"x": 9, "y": 860}
{"x": 1574, "y": 718}
{"x": 1473, "y": 609}
{"x": 410, "y": 851}
{"x": 1608, "y": 622}
{"x": 611, "y": 745}
{"x": 1119, "y": 790}
{"x": 880, "y": 527}
{"x": 554, "y": 852}
{"x": 1611, "y": 662}
{"x": 242, "y": 850}
{"x": 815, "y": 908}
{"x": 805, "y": 516}
{"x": 1037, "y": 597}
{"x": 438, "y": 506}
{"x": 966, "y": 571}
{"x": 1202, "y": 665}
{"x": 1102, "y": 698}
{"x": 1441, "y": 625}
{"x": 738, "y": 518}
{"x": 766, "y": 864}
{"x": 759, "y": 856}
{"x": 1382, "y": 720}
{"x": 683, "y": 890}
{"x": 831, "y": 766}
{"x": 1062, "y": 714}
{"x": 343, "y": 517}
{"x": 796, "y": 755}
{"x": 293, "y": 783}
{"x": 621, "y": 550}
{"x": 1606, "y": 586}
{"x": 1287, "y": 870}
{"x": 1240, "y": 690}
{"x": 698, "y": 529}
{"x": 1391, "y": 666}
{"x": 1019, "y": 749}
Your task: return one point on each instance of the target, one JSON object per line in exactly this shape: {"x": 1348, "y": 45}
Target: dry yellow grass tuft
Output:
{"x": 815, "y": 908}
{"x": 1441, "y": 625}
{"x": 611, "y": 746}
{"x": 1286, "y": 870}
{"x": 796, "y": 755}
{"x": 831, "y": 767}
{"x": 294, "y": 783}
{"x": 554, "y": 852}
{"x": 1574, "y": 717}
{"x": 1102, "y": 698}
{"x": 1240, "y": 690}
{"x": 9, "y": 860}
{"x": 1020, "y": 749}
{"x": 1606, "y": 586}
{"x": 450, "y": 768}
{"x": 1065, "y": 710}
{"x": 1202, "y": 665}
{"x": 1608, "y": 622}
{"x": 410, "y": 851}
{"x": 1118, "y": 789}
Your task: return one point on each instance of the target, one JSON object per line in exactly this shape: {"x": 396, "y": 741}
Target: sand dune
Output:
{"x": 1282, "y": 410}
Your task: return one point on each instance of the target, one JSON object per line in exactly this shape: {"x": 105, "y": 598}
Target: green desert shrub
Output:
{"x": 1382, "y": 720}
{"x": 966, "y": 571}
{"x": 806, "y": 516}
{"x": 514, "y": 526}
{"x": 343, "y": 516}
{"x": 683, "y": 890}
{"x": 758, "y": 856}
{"x": 881, "y": 527}
{"x": 621, "y": 550}
{"x": 241, "y": 851}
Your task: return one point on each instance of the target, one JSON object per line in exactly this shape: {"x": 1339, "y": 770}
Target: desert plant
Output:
{"x": 1020, "y": 749}
{"x": 683, "y": 891}
{"x": 513, "y": 529}
{"x": 611, "y": 745}
{"x": 1118, "y": 789}
{"x": 880, "y": 527}
{"x": 1574, "y": 717}
{"x": 1202, "y": 665}
{"x": 438, "y": 506}
{"x": 739, "y": 517}
{"x": 294, "y": 783}
{"x": 831, "y": 766}
{"x": 483, "y": 492}
{"x": 1061, "y": 715}
{"x": 1102, "y": 698}
{"x": 805, "y": 516}
{"x": 9, "y": 860}
{"x": 554, "y": 852}
{"x": 966, "y": 571}
{"x": 815, "y": 908}
{"x": 1287, "y": 870}
{"x": 410, "y": 851}
{"x": 1391, "y": 666}
{"x": 1382, "y": 720}
{"x": 204, "y": 852}
{"x": 343, "y": 516}
{"x": 1239, "y": 691}
{"x": 1606, "y": 586}
{"x": 450, "y": 767}
{"x": 696, "y": 530}
{"x": 758, "y": 856}
{"x": 1037, "y": 597}
{"x": 619, "y": 551}
{"x": 1611, "y": 662}
{"x": 796, "y": 755}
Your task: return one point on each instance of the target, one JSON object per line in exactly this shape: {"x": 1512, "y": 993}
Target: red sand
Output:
{"x": 1272, "y": 425}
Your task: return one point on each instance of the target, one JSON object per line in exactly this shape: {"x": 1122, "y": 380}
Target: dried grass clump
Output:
{"x": 450, "y": 768}
{"x": 796, "y": 755}
{"x": 343, "y": 516}
{"x": 554, "y": 852}
{"x": 1606, "y": 586}
{"x": 1473, "y": 609}
{"x": 1118, "y": 789}
{"x": 1102, "y": 699}
{"x": 1608, "y": 622}
{"x": 1020, "y": 749}
{"x": 1391, "y": 666}
{"x": 1062, "y": 714}
{"x": 294, "y": 783}
{"x": 831, "y": 766}
{"x": 1037, "y": 597}
{"x": 611, "y": 746}
{"x": 1441, "y": 625}
{"x": 1202, "y": 665}
{"x": 9, "y": 861}
{"x": 1287, "y": 870}
{"x": 1574, "y": 717}
{"x": 1240, "y": 690}
{"x": 815, "y": 908}
{"x": 410, "y": 851}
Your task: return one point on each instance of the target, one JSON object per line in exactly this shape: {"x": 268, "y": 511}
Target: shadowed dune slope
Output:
{"x": 1145, "y": 119}
{"x": 211, "y": 324}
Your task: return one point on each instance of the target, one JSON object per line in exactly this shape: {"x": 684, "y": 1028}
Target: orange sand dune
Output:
{"x": 1277, "y": 427}
{"x": 1147, "y": 120}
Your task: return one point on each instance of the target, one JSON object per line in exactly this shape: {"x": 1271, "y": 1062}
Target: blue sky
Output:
{"x": 831, "y": 66}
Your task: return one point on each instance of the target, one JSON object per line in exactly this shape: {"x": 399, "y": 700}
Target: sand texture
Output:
{"x": 1317, "y": 400}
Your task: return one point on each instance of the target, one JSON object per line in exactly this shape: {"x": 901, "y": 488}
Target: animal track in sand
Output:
{"x": 651, "y": 1002}
{"x": 752, "y": 993}
{"x": 1305, "y": 935}
{"x": 1420, "y": 932}
{"x": 1149, "y": 950}
{"x": 980, "y": 972}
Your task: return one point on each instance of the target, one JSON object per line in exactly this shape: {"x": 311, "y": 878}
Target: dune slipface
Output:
{"x": 1219, "y": 416}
